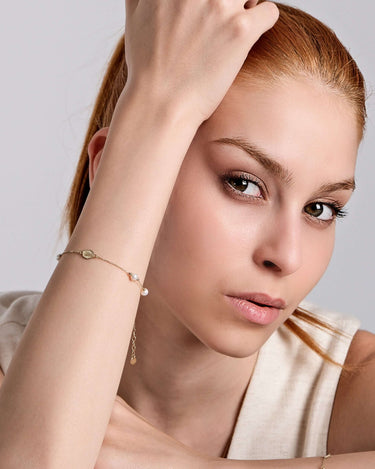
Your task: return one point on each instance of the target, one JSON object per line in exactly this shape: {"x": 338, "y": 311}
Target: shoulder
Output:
{"x": 362, "y": 348}
{"x": 8, "y": 298}
{"x": 352, "y": 426}
{"x": 16, "y": 308}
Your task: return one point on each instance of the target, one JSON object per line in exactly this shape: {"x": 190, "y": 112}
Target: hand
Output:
{"x": 132, "y": 442}
{"x": 191, "y": 52}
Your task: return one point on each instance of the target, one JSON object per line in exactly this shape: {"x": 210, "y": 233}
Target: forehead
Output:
{"x": 301, "y": 123}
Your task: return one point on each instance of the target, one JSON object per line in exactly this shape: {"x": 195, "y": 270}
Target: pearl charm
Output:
{"x": 133, "y": 276}
{"x": 144, "y": 291}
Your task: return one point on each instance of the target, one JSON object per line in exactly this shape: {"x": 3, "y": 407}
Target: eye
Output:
{"x": 324, "y": 212}
{"x": 244, "y": 184}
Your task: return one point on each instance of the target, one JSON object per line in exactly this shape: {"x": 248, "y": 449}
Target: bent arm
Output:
{"x": 340, "y": 461}
{"x": 57, "y": 396}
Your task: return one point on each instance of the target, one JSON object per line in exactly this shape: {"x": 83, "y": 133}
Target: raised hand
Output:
{"x": 191, "y": 52}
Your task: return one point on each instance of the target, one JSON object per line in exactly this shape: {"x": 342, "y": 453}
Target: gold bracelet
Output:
{"x": 323, "y": 459}
{"x": 90, "y": 254}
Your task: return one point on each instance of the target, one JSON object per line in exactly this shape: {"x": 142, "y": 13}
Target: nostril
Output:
{"x": 269, "y": 264}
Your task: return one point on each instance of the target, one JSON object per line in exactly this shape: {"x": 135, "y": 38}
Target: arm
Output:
{"x": 72, "y": 352}
{"x": 131, "y": 441}
{"x": 341, "y": 461}
{"x": 352, "y": 426}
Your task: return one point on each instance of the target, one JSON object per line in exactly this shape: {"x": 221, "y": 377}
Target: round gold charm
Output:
{"x": 133, "y": 361}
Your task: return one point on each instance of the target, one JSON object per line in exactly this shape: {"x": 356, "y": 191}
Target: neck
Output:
{"x": 177, "y": 377}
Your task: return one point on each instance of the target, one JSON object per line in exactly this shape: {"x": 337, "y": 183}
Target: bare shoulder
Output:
{"x": 352, "y": 425}
{"x": 362, "y": 346}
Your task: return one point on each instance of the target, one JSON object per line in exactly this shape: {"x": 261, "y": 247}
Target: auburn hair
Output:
{"x": 298, "y": 46}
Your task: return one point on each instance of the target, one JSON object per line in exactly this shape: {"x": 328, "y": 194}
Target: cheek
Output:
{"x": 192, "y": 237}
{"x": 200, "y": 237}
{"x": 215, "y": 233}
{"x": 318, "y": 250}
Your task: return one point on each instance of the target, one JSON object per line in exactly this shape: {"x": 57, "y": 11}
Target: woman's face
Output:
{"x": 255, "y": 214}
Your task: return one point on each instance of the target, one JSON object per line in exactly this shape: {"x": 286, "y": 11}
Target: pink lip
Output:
{"x": 262, "y": 299}
{"x": 258, "y": 308}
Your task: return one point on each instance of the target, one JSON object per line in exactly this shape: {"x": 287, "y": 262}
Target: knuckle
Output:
{"x": 220, "y": 6}
{"x": 239, "y": 26}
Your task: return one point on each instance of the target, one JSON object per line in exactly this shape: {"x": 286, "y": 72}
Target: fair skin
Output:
{"x": 86, "y": 313}
{"x": 217, "y": 350}
{"x": 213, "y": 242}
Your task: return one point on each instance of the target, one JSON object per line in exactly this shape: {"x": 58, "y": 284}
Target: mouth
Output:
{"x": 260, "y": 299}
{"x": 258, "y": 308}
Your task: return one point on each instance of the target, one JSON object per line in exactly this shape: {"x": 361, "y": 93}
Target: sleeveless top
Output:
{"x": 287, "y": 405}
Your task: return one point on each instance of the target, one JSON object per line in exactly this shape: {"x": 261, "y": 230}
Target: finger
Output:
{"x": 261, "y": 18}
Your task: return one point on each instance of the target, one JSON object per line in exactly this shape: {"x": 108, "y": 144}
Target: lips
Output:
{"x": 261, "y": 299}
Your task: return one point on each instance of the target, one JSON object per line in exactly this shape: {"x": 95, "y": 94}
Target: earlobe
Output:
{"x": 95, "y": 150}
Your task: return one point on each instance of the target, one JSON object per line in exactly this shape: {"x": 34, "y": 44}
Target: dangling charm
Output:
{"x": 135, "y": 278}
{"x": 133, "y": 358}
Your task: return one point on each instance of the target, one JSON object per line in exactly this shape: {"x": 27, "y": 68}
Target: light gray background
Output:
{"x": 53, "y": 55}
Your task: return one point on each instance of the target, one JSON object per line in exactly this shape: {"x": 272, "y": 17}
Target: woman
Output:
{"x": 218, "y": 182}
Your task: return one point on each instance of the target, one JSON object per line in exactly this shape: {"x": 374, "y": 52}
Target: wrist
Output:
{"x": 161, "y": 109}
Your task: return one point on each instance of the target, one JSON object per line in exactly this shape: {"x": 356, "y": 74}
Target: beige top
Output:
{"x": 288, "y": 403}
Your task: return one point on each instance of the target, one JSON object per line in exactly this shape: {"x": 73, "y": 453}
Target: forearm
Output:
{"x": 57, "y": 396}
{"x": 340, "y": 461}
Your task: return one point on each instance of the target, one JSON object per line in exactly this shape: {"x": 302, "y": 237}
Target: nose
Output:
{"x": 279, "y": 248}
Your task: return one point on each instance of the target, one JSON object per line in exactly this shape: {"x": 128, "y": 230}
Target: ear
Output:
{"x": 95, "y": 150}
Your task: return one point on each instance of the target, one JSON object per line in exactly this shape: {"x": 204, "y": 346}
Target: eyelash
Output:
{"x": 337, "y": 208}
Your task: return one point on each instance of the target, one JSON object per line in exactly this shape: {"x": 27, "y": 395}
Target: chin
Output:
{"x": 237, "y": 344}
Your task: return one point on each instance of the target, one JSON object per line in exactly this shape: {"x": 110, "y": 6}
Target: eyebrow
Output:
{"x": 277, "y": 169}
